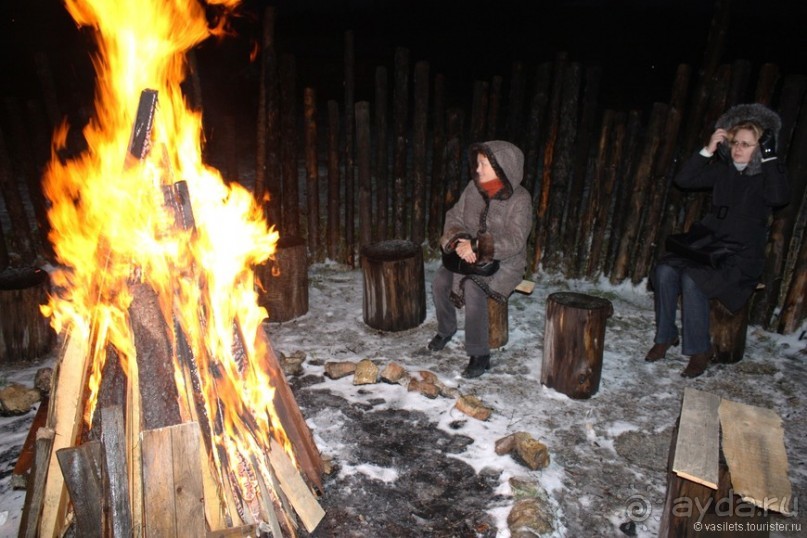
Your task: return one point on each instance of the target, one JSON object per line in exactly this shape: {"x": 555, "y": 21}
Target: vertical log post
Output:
{"x": 350, "y": 126}
{"x": 599, "y": 242}
{"x": 453, "y": 156}
{"x": 20, "y": 232}
{"x": 394, "y": 285}
{"x": 381, "y": 161}
{"x": 792, "y": 135}
{"x": 419, "y": 126}
{"x": 659, "y": 182}
{"x": 312, "y": 173}
{"x": 29, "y": 142}
{"x": 334, "y": 227}
{"x": 290, "y": 205}
{"x": 638, "y": 200}
{"x": 794, "y": 309}
{"x": 622, "y": 189}
{"x": 573, "y": 343}
{"x": 580, "y": 178}
{"x": 494, "y": 107}
{"x": 400, "y": 97}
{"x": 562, "y": 167}
{"x": 672, "y": 207}
{"x": 535, "y": 127}
{"x": 514, "y": 126}
{"x": 267, "y": 173}
{"x": 479, "y": 110}
{"x": 437, "y": 189}
{"x": 364, "y": 179}
{"x": 716, "y": 106}
{"x": 595, "y": 200}
{"x": 542, "y": 209}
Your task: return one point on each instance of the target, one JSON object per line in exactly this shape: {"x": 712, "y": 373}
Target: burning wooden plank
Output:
{"x": 172, "y": 482}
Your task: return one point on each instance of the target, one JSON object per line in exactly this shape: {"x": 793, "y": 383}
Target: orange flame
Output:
{"x": 111, "y": 227}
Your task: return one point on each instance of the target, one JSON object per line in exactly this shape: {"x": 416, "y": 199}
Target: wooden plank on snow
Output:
{"x": 753, "y": 444}
{"x": 698, "y": 445}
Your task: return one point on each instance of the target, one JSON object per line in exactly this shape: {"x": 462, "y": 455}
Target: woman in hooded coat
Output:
{"x": 491, "y": 221}
{"x": 740, "y": 167}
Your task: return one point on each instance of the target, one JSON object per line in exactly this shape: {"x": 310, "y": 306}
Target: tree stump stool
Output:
{"x": 728, "y": 331}
{"x": 573, "y": 343}
{"x": 283, "y": 281}
{"x": 25, "y": 333}
{"x": 394, "y": 285}
{"x": 498, "y": 324}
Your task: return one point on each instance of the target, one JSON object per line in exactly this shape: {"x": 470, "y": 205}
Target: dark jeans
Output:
{"x": 670, "y": 282}
{"x": 476, "y": 312}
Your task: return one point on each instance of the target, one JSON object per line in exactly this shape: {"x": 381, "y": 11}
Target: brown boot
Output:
{"x": 698, "y": 363}
{"x": 659, "y": 351}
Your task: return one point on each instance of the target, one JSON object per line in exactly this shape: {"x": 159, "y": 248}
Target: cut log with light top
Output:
{"x": 498, "y": 324}
{"x": 283, "y": 281}
{"x": 573, "y": 343}
{"x": 394, "y": 285}
{"x": 24, "y": 332}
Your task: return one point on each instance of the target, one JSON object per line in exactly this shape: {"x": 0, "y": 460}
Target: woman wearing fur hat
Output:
{"x": 740, "y": 167}
{"x": 488, "y": 226}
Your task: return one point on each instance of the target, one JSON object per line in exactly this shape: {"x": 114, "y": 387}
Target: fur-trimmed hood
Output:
{"x": 756, "y": 113}
{"x": 505, "y": 158}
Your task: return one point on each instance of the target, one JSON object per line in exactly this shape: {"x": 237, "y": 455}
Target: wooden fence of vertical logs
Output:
{"x": 601, "y": 179}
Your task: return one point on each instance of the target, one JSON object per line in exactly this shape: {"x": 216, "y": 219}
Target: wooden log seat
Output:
{"x": 728, "y": 331}
{"x": 498, "y": 324}
{"x": 394, "y": 285}
{"x": 573, "y": 343}
{"x": 283, "y": 281}
{"x": 25, "y": 333}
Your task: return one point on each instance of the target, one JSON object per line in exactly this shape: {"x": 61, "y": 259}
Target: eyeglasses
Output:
{"x": 743, "y": 144}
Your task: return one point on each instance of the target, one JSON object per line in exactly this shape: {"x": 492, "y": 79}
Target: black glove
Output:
{"x": 767, "y": 144}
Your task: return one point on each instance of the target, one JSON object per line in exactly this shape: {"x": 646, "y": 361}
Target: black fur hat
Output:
{"x": 756, "y": 113}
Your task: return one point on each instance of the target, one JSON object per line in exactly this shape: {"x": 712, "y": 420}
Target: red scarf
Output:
{"x": 492, "y": 187}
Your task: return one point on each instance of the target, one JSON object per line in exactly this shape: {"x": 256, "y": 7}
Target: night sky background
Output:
{"x": 638, "y": 44}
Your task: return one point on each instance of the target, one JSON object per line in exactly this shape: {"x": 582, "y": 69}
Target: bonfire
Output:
{"x": 156, "y": 256}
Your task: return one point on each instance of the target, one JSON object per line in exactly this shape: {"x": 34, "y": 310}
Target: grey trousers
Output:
{"x": 476, "y": 312}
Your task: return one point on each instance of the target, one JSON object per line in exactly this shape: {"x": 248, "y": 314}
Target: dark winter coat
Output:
{"x": 742, "y": 202}
{"x": 501, "y": 225}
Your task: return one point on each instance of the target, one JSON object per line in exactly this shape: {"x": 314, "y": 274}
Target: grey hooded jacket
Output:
{"x": 501, "y": 225}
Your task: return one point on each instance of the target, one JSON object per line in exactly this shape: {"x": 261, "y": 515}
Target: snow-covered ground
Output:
{"x": 608, "y": 453}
